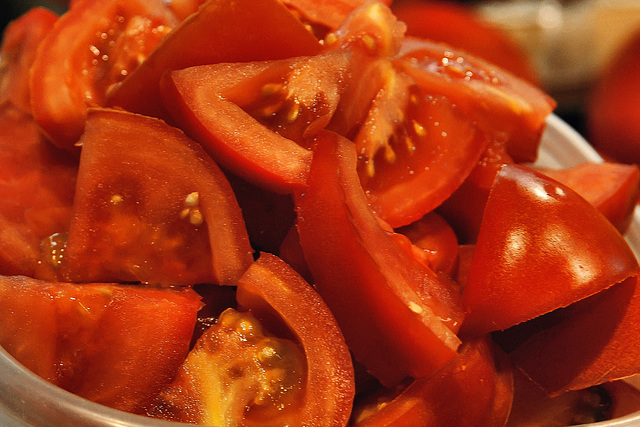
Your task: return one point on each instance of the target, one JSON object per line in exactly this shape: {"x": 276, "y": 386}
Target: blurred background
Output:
{"x": 573, "y": 49}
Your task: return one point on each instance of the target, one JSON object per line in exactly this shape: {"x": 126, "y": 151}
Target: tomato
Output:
{"x": 435, "y": 236}
{"x": 475, "y": 388}
{"x": 19, "y": 43}
{"x": 503, "y": 105}
{"x": 221, "y": 31}
{"x": 37, "y": 186}
{"x": 91, "y": 47}
{"x": 390, "y": 307}
{"x": 459, "y": 26}
{"x": 535, "y": 254}
{"x": 151, "y": 206}
{"x": 328, "y": 14}
{"x": 613, "y": 188}
{"x": 278, "y": 361}
{"x": 112, "y": 344}
{"x": 612, "y": 110}
{"x": 594, "y": 341}
{"x": 278, "y": 104}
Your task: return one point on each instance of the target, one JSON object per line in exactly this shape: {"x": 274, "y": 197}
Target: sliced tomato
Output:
{"x": 613, "y": 188}
{"x": 535, "y": 252}
{"x": 436, "y": 238}
{"x": 475, "y": 388}
{"x": 112, "y": 344}
{"x": 274, "y": 292}
{"x": 594, "y": 342}
{"x": 328, "y": 14}
{"x": 37, "y": 186}
{"x": 221, "y": 31}
{"x": 459, "y": 26}
{"x": 152, "y": 207}
{"x": 91, "y": 47}
{"x": 501, "y": 103}
{"x": 390, "y": 307}
{"x": 279, "y": 105}
{"x": 278, "y": 361}
{"x": 20, "y": 40}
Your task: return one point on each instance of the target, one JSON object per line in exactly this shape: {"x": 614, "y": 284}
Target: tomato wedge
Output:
{"x": 272, "y": 291}
{"x": 35, "y": 200}
{"x": 112, "y": 344}
{"x": 475, "y": 388}
{"x": 19, "y": 43}
{"x": 221, "y": 31}
{"x": 535, "y": 252}
{"x": 91, "y": 47}
{"x": 390, "y": 307}
{"x": 152, "y": 207}
{"x": 279, "y": 105}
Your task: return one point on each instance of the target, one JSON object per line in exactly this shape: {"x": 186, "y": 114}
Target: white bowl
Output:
{"x": 28, "y": 400}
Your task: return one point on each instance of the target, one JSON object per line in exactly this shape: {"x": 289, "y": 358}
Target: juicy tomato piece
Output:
{"x": 19, "y": 43}
{"x": 594, "y": 341}
{"x": 612, "y": 107}
{"x": 279, "y": 105}
{"x": 613, "y": 188}
{"x": 535, "y": 252}
{"x": 37, "y": 186}
{"x": 436, "y": 238}
{"x": 221, "y": 31}
{"x": 278, "y": 361}
{"x": 475, "y": 388}
{"x": 390, "y": 307}
{"x": 276, "y": 293}
{"x": 113, "y": 344}
{"x": 328, "y": 14}
{"x": 236, "y": 374}
{"x": 151, "y": 206}
{"x": 458, "y": 25}
{"x": 501, "y": 103}
{"x": 91, "y": 47}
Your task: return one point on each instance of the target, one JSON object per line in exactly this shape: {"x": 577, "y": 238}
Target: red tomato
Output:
{"x": 613, "y": 188}
{"x": 503, "y": 105}
{"x": 475, "y": 388}
{"x": 535, "y": 252}
{"x": 459, "y": 26}
{"x": 221, "y": 31}
{"x": 390, "y": 307}
{"x": 37, "y": 186}
{"x": 19, "y": 43}
{"x": 436, "y": 238}
{"x": 594, "y": 341}
{"x": 115, "y": 345}
{"x": 329, "y": 14}
{"x": 278, "y": 104}
{"x": 151, "y": 206}
{"x": 284, "y": 380}
{"x": 92, "y": 46}
{"x": 612, "y": 109}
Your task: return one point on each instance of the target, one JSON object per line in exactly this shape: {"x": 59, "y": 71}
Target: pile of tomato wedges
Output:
{"x": 287, "y": 212}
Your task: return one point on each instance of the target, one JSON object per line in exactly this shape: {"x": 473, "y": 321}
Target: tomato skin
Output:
{"x": 68, "y": 75}
{"x": 113, "y": 344}
{"x": 613, "y": 188}
{"x": 34, "y": 203}
{"x": 19, "y": 43}
{"x": 273, "y": 290}
{"x": 221, "y": 31}
{"x": 154, "y": 207}
{"x": 475, "y": 388}
{"x": 370, "y": 282}
{"x": 534, "y": 253}
{"x": 460, "y": 27}
{"x": 502, "y": 104}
